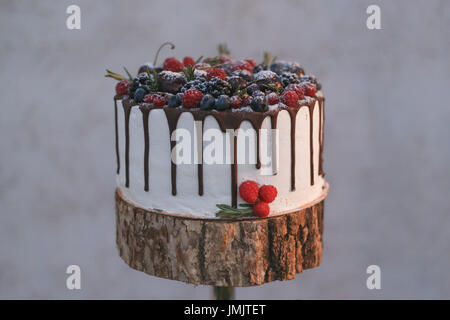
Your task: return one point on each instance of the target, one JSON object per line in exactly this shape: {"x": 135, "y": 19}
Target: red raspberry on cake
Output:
{"x": 289, "y": 98}
{"x": 192, "y": 98}
{"x": 188, "y": 61}
{"x": 173, "y": 64}
{"x": 268, "y": 193}
{"x": 272, "y": 98}
{"x": 252, "y": 62}
{"x": 246, "y": 100}
{"x": 236, "y": 102}
{"x": 261, "y": 209}
{"x": 216, "y": 72}
{"x": 248, "y": 190}
{"x": 298, "y": 89}
{"x": 157, "y": 99}
{"x": 122, "y": 88}
{"x": 310, "y": 88}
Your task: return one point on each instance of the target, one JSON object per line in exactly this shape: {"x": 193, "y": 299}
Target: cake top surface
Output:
{"x": 219, "y": 83}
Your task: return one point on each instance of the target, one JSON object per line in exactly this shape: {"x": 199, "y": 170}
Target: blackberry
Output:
{"x": 141, "y": 81}
{"x": 247, "y": 75}
{"x": 282, "y": 67}
{"x": 259, "y": 67}
{"x": 288, "y": 78}
{"x": 217, "y": 87}
{"x": 237, "y": 83}
{"x": 198, "y": 83}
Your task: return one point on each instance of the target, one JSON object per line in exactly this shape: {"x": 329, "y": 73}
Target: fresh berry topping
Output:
{"x": 298, "y": 90}
{"x": 169, "y": 81}
{"x": 281, "y": 67}
{"x": 259, "y": 103}
{"x": 207, "y": 102}
{"x": 159, "y": 100}
{"x": 261, "y": 209}
{"x": 236, "y": 102}
{"x": 122, "y": 88}
{"x": 217, "y": 87}
{"x": 310, "y": 88}
{"x": 288, "y": 78}
{"x": 257, "y": 93}
{"x": 148, "y": 98}
{"x": 173, "y": 64}
{"x": 248, "y": 190}
{"x": 216, "y": 72}
{"x": 237, "y": 83}
{"x": 223, "y": 102}
{"x": 188, "y": 61}
{"x": 247, "y": 75}
{"x": 232, "y": 66}
{"x": 252, "y": 62}
{"x": 174, "y": 101}
{"x": 139, "y": 94}
{"x": 289, "y": 98}
{"x": 267, "y": 193}
{"x": 198, "y": 83}
{"x": 252, "y": 88}
{"x": 246, "y": 100}
{"x": 192, "y": 98}
{"x": 272, "y": 98}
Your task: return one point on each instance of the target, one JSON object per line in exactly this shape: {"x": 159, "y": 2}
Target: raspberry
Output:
{"x": 122, "y": 88}
{"x": 267, "y": 193}
{"x": 192, "y": 98}
{"x": 148, "y": 98}
{"x": 298, "y": 89}
{"x": 159, "y": 101}
{"x": 310, "y": 88}
{"x": 252, "y": 62}
{"x": 248, "y": 190}
{"x": 289, "y": 98}
{"x": 216, "y": 72}
{"x": 188, "y": 61}
{"x": 172, "y": 64}
{"x": 272, "y": 98}
{"x": 246, "y": 100}
{"x": 261, "y": 209}
{"x": 236, "y": 102}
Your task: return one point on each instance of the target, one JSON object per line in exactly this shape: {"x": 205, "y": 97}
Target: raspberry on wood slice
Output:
{"x": 261, "y": 209}
{"x": 268, "y": 193}
{"x": 248, "y": 190}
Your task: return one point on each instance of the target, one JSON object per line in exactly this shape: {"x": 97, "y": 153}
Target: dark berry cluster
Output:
{"x": 219, "y": 83}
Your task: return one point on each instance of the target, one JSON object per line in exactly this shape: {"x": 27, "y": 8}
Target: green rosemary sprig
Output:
{"x": 222, "y": 48}
{"x": 227, "y": 211}
{"x": 189, "y": 72}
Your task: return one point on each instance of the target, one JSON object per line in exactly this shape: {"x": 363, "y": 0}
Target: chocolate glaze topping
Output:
{"x": 226, "y": 120}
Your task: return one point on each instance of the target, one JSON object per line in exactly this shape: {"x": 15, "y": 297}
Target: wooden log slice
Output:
{"x": 220, "y": 252}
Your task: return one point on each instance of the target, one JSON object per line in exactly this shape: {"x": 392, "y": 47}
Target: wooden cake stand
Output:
{"x": 220, "y": 252}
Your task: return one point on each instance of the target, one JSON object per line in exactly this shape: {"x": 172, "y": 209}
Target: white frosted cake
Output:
{"x": 189, "y": 134}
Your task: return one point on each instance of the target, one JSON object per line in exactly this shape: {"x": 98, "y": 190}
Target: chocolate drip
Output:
{"x": 311, "y": 142}
{"x": 116, "y": 125}
{"x": 127, "y": 111}
{"x": 293, "y": 115}
{"x": 200, "y": 118}
{"x": 321, "y": 134}
{"x": 145, "y": 113}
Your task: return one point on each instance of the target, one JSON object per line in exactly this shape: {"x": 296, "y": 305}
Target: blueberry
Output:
{"x": 207, "y": 102}
{"x": 252, "y": 88}
{"x": 223, "y": 102}
{"x": 174, "y": 101}
{"x": 139, "y": 95}
{"x": 259, "y": 104}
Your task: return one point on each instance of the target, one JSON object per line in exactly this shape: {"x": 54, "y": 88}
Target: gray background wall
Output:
{"x": 386, "y": 153}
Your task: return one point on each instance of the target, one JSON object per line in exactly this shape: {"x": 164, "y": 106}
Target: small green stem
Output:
{"x": 172, "y": 46}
